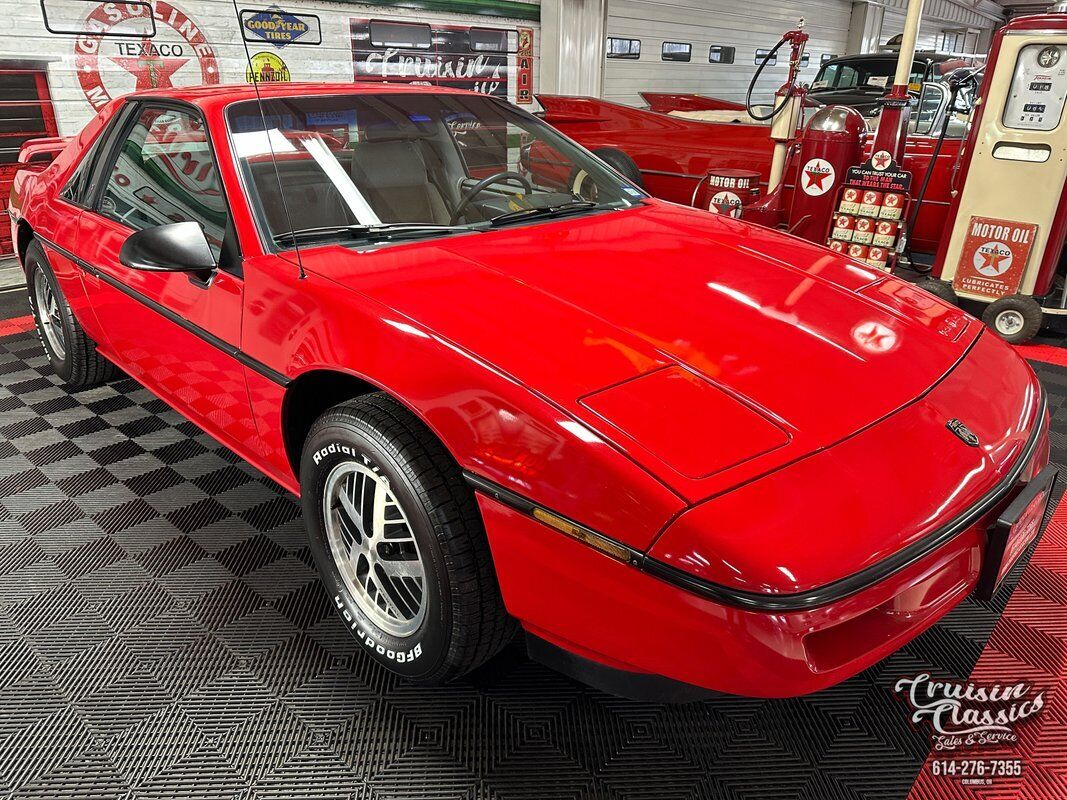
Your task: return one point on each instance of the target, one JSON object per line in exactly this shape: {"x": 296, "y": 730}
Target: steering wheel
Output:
{"x": 482, "y": 185}
{"x": 775, "y": 109}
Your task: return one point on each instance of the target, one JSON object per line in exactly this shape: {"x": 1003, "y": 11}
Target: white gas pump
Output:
{"x": 1006, "y": 226}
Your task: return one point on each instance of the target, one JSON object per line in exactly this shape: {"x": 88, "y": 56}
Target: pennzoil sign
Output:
{"x": 178, "y": 54}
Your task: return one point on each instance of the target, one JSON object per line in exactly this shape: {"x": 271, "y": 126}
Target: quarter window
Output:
{"x": 165, "y": 173}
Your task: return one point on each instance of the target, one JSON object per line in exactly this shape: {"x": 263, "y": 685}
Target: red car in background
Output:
{"x": 678, "y": 449}
{"x": 670, "y": 148}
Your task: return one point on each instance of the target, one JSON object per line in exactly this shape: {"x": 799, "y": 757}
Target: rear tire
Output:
{"x": 1016, "y": 318}
{"x": 621, "y": 163}
{"x": 399, "y": 542}
{"x": 71, "y": 352}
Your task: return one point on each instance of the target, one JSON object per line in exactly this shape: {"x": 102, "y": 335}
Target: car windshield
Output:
{"x": 873, "y": 74}
{"x": 403, "y": 165}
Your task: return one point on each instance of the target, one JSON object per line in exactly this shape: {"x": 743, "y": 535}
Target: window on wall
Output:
{"x": 804, "y": 60}
{"x": 400, "y": 34}
{"x": 720, "y": 54}
{"x": 623, "y": 48}
{"x": 676, "y": 51}
{"x": 826, "y": 57}
{"x": 761, "y": 53}
{"x": 951, "y": 41}
{"x": 492, "y": 40}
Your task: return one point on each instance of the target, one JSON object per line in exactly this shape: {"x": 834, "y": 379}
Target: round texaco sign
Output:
{"x": 109, "y": 65}
{"x": 725, "y": 202}
{"x": 817, "y": 177}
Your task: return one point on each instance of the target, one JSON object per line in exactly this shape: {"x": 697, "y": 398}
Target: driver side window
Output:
{"x": 165, "y": 173}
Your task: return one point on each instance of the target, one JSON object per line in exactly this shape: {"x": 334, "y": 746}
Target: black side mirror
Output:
{"x": 174, "y": 247}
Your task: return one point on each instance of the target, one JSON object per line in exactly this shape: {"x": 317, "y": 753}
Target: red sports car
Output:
{"x": 677, "y": 449}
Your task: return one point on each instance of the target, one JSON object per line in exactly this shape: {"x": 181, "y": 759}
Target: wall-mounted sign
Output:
{"x": 267, "y": 68}
{"x": 994, "y": 256}
{"x": 449, "y": 60}
{"x": 524, "y": 64}
{"x": 279, "y": 27}
{"x": 178, "y": 55}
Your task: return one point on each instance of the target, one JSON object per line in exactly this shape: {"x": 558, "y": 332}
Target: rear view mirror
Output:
{"x": 931, "y": 108}
{"x": 175, "y": 247}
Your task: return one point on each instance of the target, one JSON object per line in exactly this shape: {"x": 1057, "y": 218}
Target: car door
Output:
{"x": 175, "y": 332}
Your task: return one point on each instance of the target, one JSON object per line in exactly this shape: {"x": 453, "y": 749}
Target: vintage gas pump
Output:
{"x": 785, "y": 115}
{"x": 1005, "y": 231}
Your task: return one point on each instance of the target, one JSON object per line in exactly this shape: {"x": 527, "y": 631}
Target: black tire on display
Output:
{"x": 621, "y": 163}
{"x": 941, "y": 289}
{"x": 72, "y": 353}
{"x": 418, "y": 591}
{"x": 1015, "y": 318}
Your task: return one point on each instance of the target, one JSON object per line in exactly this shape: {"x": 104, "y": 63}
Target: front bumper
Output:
{"x": 624, "y": 617}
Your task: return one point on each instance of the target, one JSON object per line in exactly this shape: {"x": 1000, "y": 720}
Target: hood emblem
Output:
{"x": 966, "y": 435}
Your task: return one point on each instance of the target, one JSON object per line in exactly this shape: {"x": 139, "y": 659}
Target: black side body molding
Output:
{"x": 256, "y": 366}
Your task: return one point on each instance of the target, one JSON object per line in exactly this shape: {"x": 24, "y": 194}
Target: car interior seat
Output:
{"x": 393, "y": 177}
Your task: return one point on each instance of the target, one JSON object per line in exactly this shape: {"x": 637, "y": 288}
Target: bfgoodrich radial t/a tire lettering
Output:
{"x": 399, "y": 542}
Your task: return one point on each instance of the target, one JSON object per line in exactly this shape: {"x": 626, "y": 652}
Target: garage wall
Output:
{"x": 939, "y": 16}
{"x": 199, "y": 41}
{"x": 743, "y": 25}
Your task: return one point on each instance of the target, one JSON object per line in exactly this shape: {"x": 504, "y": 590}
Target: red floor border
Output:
{"x": 15, "y": 325}
{"x": 1047, "y": 353}
{"x": 1028, "y": 644}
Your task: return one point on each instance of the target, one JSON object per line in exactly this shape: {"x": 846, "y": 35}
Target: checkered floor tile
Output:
{"x": 162, "y": 635}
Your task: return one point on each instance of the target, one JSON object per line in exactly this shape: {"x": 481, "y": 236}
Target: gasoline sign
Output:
{"x": 994, "y": 256}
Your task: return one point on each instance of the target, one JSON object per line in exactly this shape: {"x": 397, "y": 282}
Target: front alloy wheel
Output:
{"x": 374, "y": 548}
{"x": 398, "y": 539}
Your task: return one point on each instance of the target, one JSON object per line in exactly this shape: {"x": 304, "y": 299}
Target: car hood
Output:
{"x": 708, "y": 349}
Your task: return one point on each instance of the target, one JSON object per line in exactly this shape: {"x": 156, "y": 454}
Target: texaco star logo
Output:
{"x": 881, "y": 160}
{"x": 992, "y": 259}
{"x": 874, "y": 337}
{"x": 725, "y": 202}
{"x": 178, "y": 54}
{"x": 817, "y": 177}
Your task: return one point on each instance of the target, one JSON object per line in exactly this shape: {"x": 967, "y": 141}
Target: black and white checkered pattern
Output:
{"x": 163, "y": 635}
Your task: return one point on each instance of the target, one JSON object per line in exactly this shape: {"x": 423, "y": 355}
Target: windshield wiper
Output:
{"x": 382, "y": 231}
{"x": 544, "y": 212}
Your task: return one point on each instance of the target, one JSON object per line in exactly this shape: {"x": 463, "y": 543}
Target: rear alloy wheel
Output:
{"x": 399, "y": 542}
{"x": 71, "y": 352}
{"x": 1016, "y": 318}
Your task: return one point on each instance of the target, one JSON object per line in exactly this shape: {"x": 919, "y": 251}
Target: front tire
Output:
{"x": 71, "y": 352}
{"x": 399, "y": 542}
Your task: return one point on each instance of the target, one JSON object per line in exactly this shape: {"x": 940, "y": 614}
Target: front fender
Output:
{"x": 493, "y": 426}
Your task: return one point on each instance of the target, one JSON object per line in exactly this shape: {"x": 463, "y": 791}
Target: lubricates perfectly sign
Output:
{"x": 994, "y": 256}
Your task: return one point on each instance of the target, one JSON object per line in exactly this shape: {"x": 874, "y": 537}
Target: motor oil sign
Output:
{"x": 994, "y": 256}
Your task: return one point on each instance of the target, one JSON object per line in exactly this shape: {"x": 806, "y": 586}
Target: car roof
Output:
{"x": 920, "y": 57}
{"x": 224, "y": 94}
